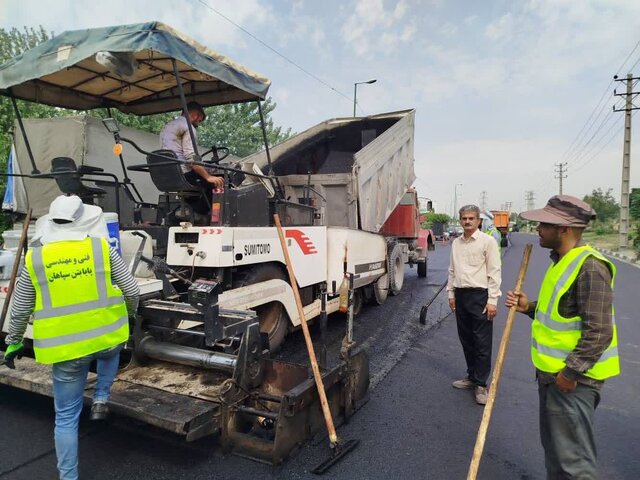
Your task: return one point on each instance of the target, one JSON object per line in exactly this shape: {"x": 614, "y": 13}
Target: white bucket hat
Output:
{"x": 75, "y": 221}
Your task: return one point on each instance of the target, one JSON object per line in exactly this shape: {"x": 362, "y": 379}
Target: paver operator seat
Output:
{"x": 169, "y": 178}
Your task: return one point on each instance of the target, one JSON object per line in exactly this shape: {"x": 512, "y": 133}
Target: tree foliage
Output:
{"x": 432, "y": 217}
{"x": 238, "y": 128}
{"x": 604, "y": 204}
{"x": 12, "y": 43}
{"x": 634, "y": 204}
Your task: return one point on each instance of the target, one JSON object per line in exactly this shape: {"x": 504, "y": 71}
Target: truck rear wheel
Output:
{"x": 272, "y": 316}
{"x": 381, "y": 290}
{"x": 395, "y": 264}
{"x": 422, "y": 269}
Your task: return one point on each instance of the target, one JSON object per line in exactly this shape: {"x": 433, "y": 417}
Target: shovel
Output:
{"x": 338, "y": 448}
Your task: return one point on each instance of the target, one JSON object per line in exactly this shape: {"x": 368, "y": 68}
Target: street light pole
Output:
{"x": 355, "y": 92}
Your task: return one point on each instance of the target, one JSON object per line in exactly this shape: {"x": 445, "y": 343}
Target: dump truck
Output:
{"x": 501, "y": 222}
{"x": 216, "y": 302}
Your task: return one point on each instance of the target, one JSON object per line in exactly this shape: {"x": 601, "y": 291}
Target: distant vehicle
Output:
{"x": 501, "y": 222}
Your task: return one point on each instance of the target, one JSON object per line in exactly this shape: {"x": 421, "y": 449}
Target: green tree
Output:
{"x": 634, "y": 204}
{"x": 634, "y": 213}
{"x": 12, "y": 43}
{"x": 604, "y": 204}
{"x": 238, "y": 128}
{"x": 234, "y": 126}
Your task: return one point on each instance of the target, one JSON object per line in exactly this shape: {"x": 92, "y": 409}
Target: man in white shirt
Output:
{"x": 175, "y": 136}
{"x": 473, "y": 289}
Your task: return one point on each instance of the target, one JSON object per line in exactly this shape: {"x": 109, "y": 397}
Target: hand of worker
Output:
{"x": 13, "y": 351}
{"x": 452, "y": 304}
{"x": 490, "y": 311}
{"x": 217, "y": 181}
{"x": 519, "y": 299}
{"x": 564, "y": 384}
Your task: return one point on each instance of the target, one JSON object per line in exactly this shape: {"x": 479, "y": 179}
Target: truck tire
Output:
{"x": 422, "y": 269}
{"x": 272, "y": 316}
{"x": 381, "y": 290}
{"x": 395, "y": 268}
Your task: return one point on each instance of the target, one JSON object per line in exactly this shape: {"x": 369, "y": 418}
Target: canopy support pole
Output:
{"x": 24, "y": 133}
{"x": 126, "y": 180}
{"x": 183, "y": 100}
{"x": 263, "y": 127}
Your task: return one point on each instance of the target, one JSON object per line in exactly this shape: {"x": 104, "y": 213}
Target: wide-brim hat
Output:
{"x": 82, "y": 221}
{"x": 564, "y": 211}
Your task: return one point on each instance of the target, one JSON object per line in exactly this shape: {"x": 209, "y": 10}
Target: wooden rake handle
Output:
{"x": 16, "y": 264}
{"x": 497, "y": 371}
{"x": 333, "y": 436}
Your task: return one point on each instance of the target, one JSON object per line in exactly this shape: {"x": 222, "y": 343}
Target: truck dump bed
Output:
{"x": 358, "y": 169}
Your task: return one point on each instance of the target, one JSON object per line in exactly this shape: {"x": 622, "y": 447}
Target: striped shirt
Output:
{"x": 24, "y": 296}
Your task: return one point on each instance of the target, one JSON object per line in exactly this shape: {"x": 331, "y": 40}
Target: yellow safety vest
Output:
{"x": 554, "y": 336}
{"x": 78, "y": 310}
{"x": 491, "y": 231}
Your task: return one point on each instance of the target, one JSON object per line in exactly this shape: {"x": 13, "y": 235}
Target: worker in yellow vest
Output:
{"x": 574, "y": 344}
{"x": 490, "y": 229}
{"x": 79, "y": 316}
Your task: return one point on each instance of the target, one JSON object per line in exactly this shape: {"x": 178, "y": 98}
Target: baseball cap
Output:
{"x": 563, "y": 210}
{"x": 68, "y": 208}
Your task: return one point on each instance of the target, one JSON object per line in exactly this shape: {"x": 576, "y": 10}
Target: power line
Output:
{"x": 579, "y": 155}
{"x": 281, "y": 55}
{"x": 579, "y": 166}
{"x": 616, "y": 133}
{"x": 604, "y": 98}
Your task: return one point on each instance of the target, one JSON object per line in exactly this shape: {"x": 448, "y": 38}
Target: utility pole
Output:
{"x": 529, "y": 197}
{"x": 626, "y": 156}
{"x": 483, "y": 200}
{"x": 561, "y": 170}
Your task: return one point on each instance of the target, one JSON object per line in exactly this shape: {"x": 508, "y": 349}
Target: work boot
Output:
{"x": 482, "y": 394}
{"x": 99, "y": 411}
{"x": 464, "y": 384}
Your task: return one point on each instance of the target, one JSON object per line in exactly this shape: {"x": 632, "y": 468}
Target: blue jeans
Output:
{"x": 69, "y": 380}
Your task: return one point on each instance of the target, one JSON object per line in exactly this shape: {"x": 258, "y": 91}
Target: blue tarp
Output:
{"x": 9, "y": 201}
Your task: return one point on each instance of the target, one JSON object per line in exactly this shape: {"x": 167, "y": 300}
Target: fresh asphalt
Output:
{"x": 414, "y": 425}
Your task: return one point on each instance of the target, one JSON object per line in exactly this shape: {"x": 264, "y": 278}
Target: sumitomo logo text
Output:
{"x": 257, "y": 249}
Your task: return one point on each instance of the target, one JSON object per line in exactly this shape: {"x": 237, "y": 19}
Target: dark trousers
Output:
{"x": 475, "y": 332}
{"x": 566, "y": 431}
{"x": 199, "y": 204}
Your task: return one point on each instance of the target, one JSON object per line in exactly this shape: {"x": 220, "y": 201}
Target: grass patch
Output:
{"x": 610, "y": 241}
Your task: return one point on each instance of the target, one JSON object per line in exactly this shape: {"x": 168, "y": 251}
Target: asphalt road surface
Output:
{"x": 414, "y": 425}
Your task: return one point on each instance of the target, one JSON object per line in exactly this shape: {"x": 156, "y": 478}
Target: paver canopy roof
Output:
{"x": 128, "y": 67}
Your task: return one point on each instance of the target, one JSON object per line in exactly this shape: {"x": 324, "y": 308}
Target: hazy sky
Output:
{"x": 503, "y": 89}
